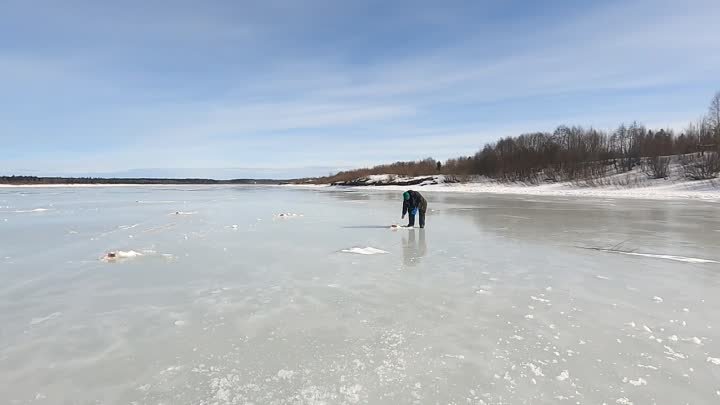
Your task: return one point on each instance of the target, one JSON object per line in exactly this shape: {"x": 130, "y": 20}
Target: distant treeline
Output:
{"x": 576, "y": 153}
{"x": 32, "y": 180}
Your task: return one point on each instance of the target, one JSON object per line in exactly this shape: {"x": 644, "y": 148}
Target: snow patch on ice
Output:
{"x": 120, "y": 255}
{"x": 364, "y": 251}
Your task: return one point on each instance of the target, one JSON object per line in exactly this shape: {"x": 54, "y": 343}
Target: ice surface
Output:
{"x": 269, "y": 312}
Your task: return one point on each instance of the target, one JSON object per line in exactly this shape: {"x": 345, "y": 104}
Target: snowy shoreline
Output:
{"x": 705, "y": 190}
{"x": 649, "y": 193}
{"x": 637, "y": 188}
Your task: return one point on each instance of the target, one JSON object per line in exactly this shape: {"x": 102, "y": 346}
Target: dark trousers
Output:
{"x": 412, "y": 218}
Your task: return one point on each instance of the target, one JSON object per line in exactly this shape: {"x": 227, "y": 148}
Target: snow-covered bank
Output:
{"x": 634, "y": 184}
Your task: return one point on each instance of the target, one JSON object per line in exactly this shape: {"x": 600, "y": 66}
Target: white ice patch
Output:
{"x": 714, "y": 360}
{"x": 543, "y": 300}
{"x": 648, "y": 367}
{"x": 529, "y": 316}
{"x": 156, "y": 202}
{"x": 602, "y": 277}
{"x": 37, "y": 321}
{"x": 286, "y": 375}
{"x": 364, "y": 251}
{"x": 624, "y": 401}
{"x": 537, "y": 371}
{"x": 666, "y": 257}
{"x": 693, "y": 339}
{"x": 563, "y": 376}
{"x": 640, "y": 381}
{"x": 32, "y": 210}
{"x": 180, "y": 323}
{"x": 657, "y": 299}
{"x": 675, "y": 355}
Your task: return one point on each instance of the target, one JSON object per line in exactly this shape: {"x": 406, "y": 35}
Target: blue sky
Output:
{"x": 283, "y": 88}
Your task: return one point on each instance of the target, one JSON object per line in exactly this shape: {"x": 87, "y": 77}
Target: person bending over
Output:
{"x": 413, "y": 204}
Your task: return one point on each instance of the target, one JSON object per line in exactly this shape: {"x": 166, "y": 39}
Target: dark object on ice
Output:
{"x": 414, "y": 203}
{"x": 111, "y": 255}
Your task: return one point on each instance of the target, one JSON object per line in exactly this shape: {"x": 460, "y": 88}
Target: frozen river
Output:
{"x": 501, "y": 300}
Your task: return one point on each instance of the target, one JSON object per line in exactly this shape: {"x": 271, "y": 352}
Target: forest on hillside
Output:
{"x": 576, "y": 153}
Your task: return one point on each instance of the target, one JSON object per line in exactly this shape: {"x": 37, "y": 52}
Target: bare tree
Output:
{"x": 656, "y": 167}
{"x": 714, "y": 115}
{"x": 701, "y": 166}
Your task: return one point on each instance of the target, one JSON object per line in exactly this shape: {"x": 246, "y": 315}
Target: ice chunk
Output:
{"x": 120, "y": 255}
{"x": 640, "y": 381}
{"x": 287, "y": 215}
